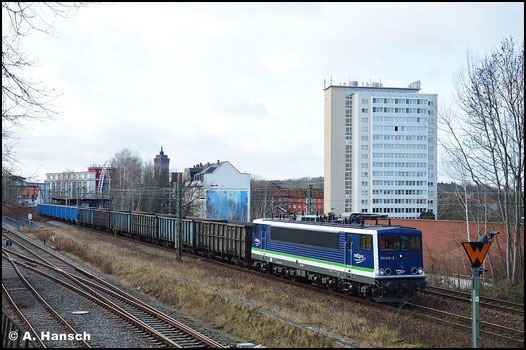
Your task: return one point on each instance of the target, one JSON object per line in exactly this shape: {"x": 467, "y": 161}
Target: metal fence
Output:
{"x": 12, "y": 334}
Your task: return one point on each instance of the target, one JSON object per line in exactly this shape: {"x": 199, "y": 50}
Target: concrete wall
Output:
{"x": 334, "y": 150}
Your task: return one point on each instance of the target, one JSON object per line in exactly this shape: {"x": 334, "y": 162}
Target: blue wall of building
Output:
{"x": 228, "y": 205}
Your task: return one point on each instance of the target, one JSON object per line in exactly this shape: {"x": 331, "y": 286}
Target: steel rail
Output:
{"x": 24, "y": 319}
{"x": 41, "y": 299}
{"x": 346, "y": 296}
{"x": 468, "y": 321}
{"x": 90, "y": 283}
{"x": 498, "y": 304}
{"x": 104, "y": 303}
{"x": 121, "y": 294}
{"x": 361, "y": 300}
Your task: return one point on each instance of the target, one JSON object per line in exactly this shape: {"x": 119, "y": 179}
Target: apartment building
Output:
{"x": 80, "y": 187}
{"x": 380, "y": 149}
{"x": 222, "y": 192}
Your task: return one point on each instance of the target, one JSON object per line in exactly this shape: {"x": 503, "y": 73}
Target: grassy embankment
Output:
{"x": 244, "y": 323}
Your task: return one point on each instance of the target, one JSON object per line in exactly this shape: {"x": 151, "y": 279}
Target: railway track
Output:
{"x": 496, "y": 304}
{"x": 487, "y": 329}
{"x": 39, "y": 316}
{"x": 411, "y": 310}
{"x": 159, "y": 325}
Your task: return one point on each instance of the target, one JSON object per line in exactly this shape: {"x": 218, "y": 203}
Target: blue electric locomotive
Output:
{"x": 381, "y": 262}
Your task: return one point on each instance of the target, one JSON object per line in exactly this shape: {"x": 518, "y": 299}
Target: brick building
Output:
{"x": 294, "y": 200}
{"x": 18, "y": 191}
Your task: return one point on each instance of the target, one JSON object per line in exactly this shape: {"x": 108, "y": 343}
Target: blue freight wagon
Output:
{"x": 86, "y": 216}
{"x": 101, "y": 219}
{"x": 120, "y": 221}
{"x": 144, "y": 226}
{"x": 59, "y": 211}
{"x": 167, "y": 226}
{"x": 188, "y": 241}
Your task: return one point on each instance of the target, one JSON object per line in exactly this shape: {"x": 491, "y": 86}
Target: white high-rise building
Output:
{"x": 380, "y": 150}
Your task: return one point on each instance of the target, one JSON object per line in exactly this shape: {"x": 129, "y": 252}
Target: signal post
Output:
{"x": 476, "y": 252}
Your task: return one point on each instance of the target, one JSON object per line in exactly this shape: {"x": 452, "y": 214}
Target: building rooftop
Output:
{"x": 374, "y": 85}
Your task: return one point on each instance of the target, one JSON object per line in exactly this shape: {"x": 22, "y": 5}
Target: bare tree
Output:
{"x": 138, "y": 186}
{"x": 126, "y": 179}
{"x": 261, "y": 199}
{"x": 150, "y": 194}
{"x": 193, "y": 200}
{"x": 486, "y": 140}
{"x": 23, "y": 98}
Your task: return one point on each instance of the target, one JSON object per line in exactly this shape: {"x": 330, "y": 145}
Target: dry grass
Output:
{"x": 103, "y": 262}
{"x": 145, "y": 273}
{"x": 42, "y": 234}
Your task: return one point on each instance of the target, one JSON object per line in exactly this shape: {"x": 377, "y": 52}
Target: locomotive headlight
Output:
{"x": 387, "y": 271}
{"x": 413, "y": 270}
{"x": 420, "y": 270}
{"x": 381, "y": 272}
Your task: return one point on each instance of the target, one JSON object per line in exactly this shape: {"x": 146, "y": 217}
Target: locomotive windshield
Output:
{"x": 400, "y": 243}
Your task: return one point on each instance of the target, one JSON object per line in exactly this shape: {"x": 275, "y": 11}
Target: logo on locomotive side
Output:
{"x": 257, "y": 241}
{"x": 359, "y": 258}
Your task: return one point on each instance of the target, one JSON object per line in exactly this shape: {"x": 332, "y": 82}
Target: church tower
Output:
{"x": 162, "y": 166}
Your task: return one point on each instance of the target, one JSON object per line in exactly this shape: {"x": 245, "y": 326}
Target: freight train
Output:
{"x": 382, "y": 262}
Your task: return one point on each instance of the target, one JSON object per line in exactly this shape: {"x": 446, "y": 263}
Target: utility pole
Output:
{"x": 179, "y": 222}
{"x": 170, "y": 200}
{"x": 309, "y": 200}
{"x": 475, "y": 308}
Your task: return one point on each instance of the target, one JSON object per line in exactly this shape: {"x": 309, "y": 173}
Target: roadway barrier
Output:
{"x": 26, "y": 222}
{"x": 10, "y": 221}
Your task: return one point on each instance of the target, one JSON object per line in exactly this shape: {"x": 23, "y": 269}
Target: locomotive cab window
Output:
{"x": 366, "y": 242}
{"x": 390, "y": 244}
{"x": 410, "y": 243}
{"x": 400, "y": 243}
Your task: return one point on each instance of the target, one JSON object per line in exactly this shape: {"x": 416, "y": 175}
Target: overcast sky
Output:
{"x": 241, "y": 82}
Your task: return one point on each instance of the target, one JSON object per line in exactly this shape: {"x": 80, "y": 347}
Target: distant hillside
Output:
{"x": 449, "y": 187}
